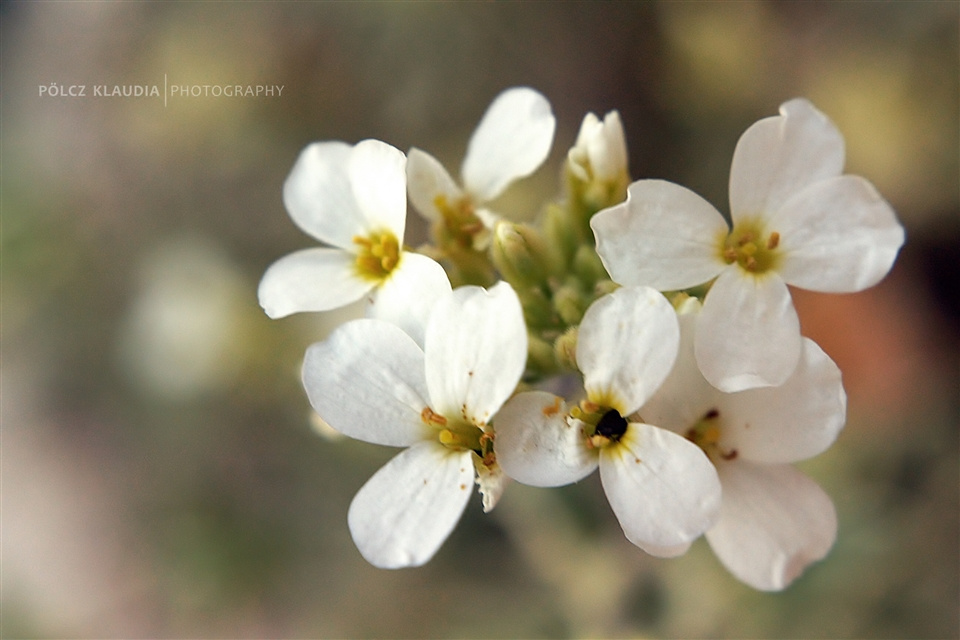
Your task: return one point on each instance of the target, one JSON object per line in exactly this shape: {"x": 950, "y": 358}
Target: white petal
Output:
{"x": 404, "y": 513}
{"x": 366, "y": 381}
{"x": 476, "y": 350}
{"x": 664, "y": 236}
{"x": 408, "y": 295}
{"x": 748, "y": 334}
{"x": 662, "y": 487}
{"x": 311, "y": 280}
{"x": 426, "y": 180}
{"x": 778, "y": 156}
{"x": 511, "y": 142}
{"x": 378, "y": 177}
{"x": 626, "y": 346}
{"x": 492, "y": 480}
{"x": 538, "y": 444}
{"x": 319, "y": 197}
{"x": 792, "y": 422}
{"x": 685, "y": 396}
{"x": 774, "y": 522}
{"x": 838, "y": 236}
{"x": 674, "y": 551}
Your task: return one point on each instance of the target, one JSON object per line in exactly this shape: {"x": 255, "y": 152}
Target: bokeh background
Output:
{"x": 162, "y": 477}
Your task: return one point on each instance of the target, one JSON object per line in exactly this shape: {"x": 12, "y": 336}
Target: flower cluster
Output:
{"x": 672, "y": 333}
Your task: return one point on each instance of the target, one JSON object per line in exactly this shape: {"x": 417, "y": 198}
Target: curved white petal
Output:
{"x": 838, "y": 236}
{"x": 778, "y": 156}
{"x": 792, "y": 422}
{"x": 673, "y": 551}
{"x": 378, "y": 177}
{"x": 491, "y": 481}
{"x": 511, "y": 142}
{"x": 662, "y": 487}
{"x": 314, "y": 279}
{"x": 685, "y": 396}
{"x": 319, "y": 197}
{"x": 774, "y": 522}
{"x": 538, "y": 444}
{"x": 408, "y": 295}
{"x": 664, "y": 236}
{"x": 475, "y": 350}
{"x": 748, "y": 334}
{"x": 405, "y": 512}
{"x": 626, "y": 346}
{"x": 366, "y": 381}
{"x": 426, "y": 181}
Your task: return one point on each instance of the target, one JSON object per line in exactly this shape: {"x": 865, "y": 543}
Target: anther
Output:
{"x": 431, "y": 417}
{"x": 773, "y": 241}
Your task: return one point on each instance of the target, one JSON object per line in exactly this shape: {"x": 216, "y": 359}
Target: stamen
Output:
{"x": 377, "y": 256}
{"x": 748, "y": 245}
{"x": 432, "y": 418}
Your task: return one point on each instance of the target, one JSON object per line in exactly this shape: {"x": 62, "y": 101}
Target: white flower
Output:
{"x": 598, "y": 159}
{"x": 354, "y": 199}
{"x": 511, "y": 142}
{"x": 372, "y": 382}
{"x": 796, "y": 221}
{"x": 661, "y": 486}
{"x": 774, "y": 520}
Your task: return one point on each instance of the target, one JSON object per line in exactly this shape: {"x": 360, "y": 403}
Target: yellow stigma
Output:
{"x": 750, "y": 246}
{"x": 378, "y": 255}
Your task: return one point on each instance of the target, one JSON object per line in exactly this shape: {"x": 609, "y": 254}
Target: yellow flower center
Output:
{"x": 750, "y": 246}
{"x": 378, "y": 255}
{"x": 458, "y": 435}
{"x": 706, "y": 435}
{"x": 460, "y": 223}
{"x": 604, "y": 424}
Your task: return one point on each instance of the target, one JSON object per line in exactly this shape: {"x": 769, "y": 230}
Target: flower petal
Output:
{"x": 475, "y": 350}
{"x": 685, "y": 396}
{"x": 378, "y": 177}
{"x": 511, "y": 142}
{"x": 792, "y": 422}
{"x": 311, "y": 280}
{"x": 408, "y": 295}
{"x": 538, "y": 444}
{"x": 838, "y": 236}
{"x": 426, "y": 181}
{"x": 366, "y": 381}
{"x": 405, "y": 512}
{"x": 664, "y": 236}
{"x": 626, "y": 346}
{"x": 774, "y": 522}
{"x": 662, "y": 487}
{"x": 492, "y": 482}
{"x": 778, "y": 156}
{"x": 748, "y": 334}
{"x": 319, "y": 197}
{"x": 673, "y": 551}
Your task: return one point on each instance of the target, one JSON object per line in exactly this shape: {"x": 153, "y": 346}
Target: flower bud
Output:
{"x": 597, "y": 163}
{"x": 521, "y": 255}
{"x": 565, "y": 349}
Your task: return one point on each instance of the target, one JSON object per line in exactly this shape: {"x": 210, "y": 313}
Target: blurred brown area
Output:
{"x": 161, "y": 477}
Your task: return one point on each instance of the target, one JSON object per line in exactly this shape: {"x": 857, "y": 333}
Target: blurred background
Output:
{"x": 162, "y": 477}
